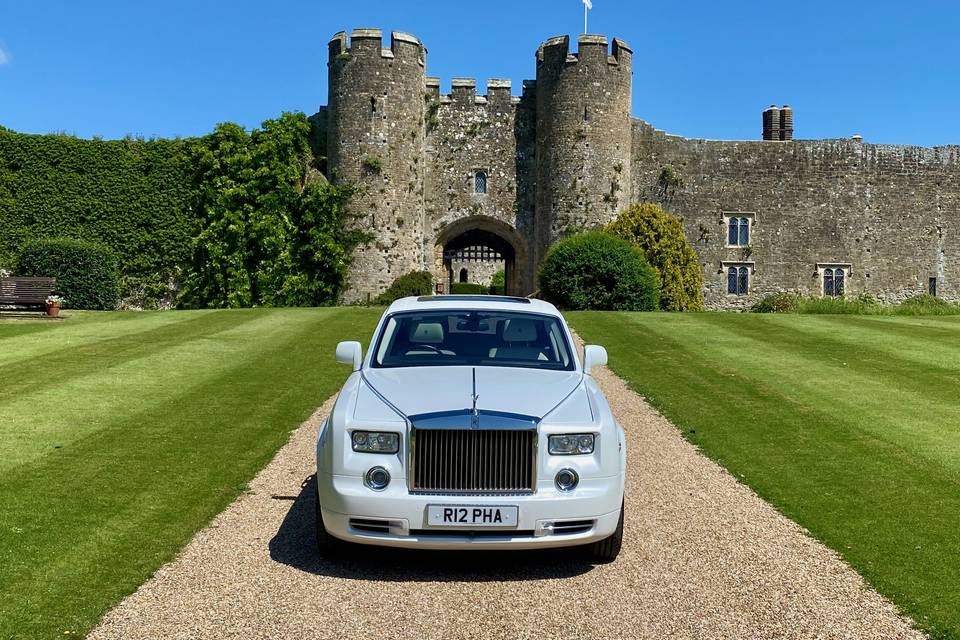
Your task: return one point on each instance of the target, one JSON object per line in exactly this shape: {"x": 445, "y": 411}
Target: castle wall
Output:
{"x": 567, "y": 155}
{"x": 892, "y": 213}
{"x": 375, "y": 140}
{"x": 467, "y": 133}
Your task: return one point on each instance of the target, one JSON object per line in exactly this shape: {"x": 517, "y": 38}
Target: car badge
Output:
{"x": 475, "y": 414}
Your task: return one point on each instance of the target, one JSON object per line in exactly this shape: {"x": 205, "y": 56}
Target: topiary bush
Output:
{"x": 660, "y": 236}
{"x": 596, "y": 270}
{"x": 87, "y": 273}
{"x": 415, "y": 283}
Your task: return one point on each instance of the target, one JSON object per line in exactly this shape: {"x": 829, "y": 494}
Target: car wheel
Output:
{"x": 327, "y": 545}
{"x": 608, "y": 549}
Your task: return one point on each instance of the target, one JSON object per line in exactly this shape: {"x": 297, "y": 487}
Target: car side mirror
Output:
{"x": 593, "y": 356}
{"x": 350, "y": 353}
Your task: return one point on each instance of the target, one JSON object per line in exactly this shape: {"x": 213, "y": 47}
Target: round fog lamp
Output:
{"x": 377, "y": 478}
{"x": 567, "y": 479}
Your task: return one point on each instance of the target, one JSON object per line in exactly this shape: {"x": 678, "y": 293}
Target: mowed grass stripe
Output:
{"x": 82, "y": 529}
{"x": 866, "y": 387}
{"x": 29, "y": 339}
{"x": 104, "y": 378}
{"x": 891, "y": 509}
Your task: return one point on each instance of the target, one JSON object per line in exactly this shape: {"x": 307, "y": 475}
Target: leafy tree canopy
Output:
{"x": 269, "y": 228}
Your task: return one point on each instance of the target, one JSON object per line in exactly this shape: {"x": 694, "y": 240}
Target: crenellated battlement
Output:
{"x": 590, "y": 48}
{"x": 464, "y": 92}
{"x": 368, "y": 44}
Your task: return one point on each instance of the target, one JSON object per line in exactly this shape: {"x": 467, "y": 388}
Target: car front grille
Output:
{"x": 473, "y": 461}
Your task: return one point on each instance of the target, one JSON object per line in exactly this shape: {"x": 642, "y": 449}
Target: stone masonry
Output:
{"x": 443, "y": 172}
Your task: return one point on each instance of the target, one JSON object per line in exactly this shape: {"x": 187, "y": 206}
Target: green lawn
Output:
{"x": 121, "y": 434}
{"x": 850, "y": 425}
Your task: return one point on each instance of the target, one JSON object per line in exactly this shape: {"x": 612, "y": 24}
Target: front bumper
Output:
{"x": 395, "y": 517}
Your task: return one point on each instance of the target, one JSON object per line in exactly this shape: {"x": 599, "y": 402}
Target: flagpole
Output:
{"x": 584, "y": 18}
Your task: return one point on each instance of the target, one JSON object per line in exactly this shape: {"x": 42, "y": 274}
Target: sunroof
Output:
{"x": 468, "y": 298}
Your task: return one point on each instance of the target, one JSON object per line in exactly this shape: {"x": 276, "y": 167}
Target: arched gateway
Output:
{"x": 483, "y": 239}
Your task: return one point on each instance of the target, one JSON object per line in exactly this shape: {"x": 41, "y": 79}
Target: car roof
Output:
{"x": 480, "y": 302}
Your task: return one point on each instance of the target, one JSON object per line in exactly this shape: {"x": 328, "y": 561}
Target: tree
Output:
{"x": 660, "y": 236}
{"x": 270, "y": 229}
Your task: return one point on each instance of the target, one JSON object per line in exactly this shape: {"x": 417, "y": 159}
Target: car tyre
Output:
{"x": 608, "y": 549}
{"x": 328, "y": 546}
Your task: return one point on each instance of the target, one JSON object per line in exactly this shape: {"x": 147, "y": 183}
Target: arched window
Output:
{"x": 738, "y": 281}
{"x": 463, "y": 275}
{"x": 738, "y": 232}
{"x": 838, "y": 278}
{"x": 828, "y": 289}
{"x": 480, "y": 182}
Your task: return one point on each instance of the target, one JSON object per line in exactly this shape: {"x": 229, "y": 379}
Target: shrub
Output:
{"x": 86, "y": 272}
{"x": 926, "y": 305}
{"x": 660, "y": 236}
{"x": 498, "y": 284}
{"x": 596, "y": 270}
{"x": 415, "y": 283}
{"x": 777, "y": 303}
{"x": 468, "y": 288}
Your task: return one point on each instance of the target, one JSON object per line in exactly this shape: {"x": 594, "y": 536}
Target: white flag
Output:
{"x": 588, "y": 4}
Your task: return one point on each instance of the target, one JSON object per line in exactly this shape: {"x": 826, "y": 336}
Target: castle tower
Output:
{"x": 583, "y": 135}
{"x": 375, "y": 140}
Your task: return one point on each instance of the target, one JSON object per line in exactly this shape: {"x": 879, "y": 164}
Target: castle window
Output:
{"x": 932, "y": 287}
{"x": 480, "y": 182}
{"x": 739, "y": 225}
{"x": 833, "y": 281}
{"x": 738, "y": 275}
{"x": 738, "y": 231}
{"x": 463, "y": 275}
{"x": 586, "y": 114}
{"x": 738, "y": 281}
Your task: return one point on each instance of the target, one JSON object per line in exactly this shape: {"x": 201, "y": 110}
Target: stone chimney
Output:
{"x": 771, "y": 123}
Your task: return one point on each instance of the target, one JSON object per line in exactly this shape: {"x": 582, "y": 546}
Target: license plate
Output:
{"x": 473, "y": 516}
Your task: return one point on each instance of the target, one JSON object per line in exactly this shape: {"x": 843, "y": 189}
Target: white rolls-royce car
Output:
{"x": 470, "y": 423}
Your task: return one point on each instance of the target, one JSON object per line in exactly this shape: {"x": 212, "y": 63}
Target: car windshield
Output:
{"x": 472, "y": 337}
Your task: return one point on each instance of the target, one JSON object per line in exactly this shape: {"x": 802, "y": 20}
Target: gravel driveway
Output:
{"x": 703, "y": 558}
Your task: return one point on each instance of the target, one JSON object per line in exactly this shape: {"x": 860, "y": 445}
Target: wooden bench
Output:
{"x": 26, "y": 293}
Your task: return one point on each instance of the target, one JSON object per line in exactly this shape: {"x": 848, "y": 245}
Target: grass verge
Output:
{"x": 122, "y": 434}
{"x": 850, "y": 425}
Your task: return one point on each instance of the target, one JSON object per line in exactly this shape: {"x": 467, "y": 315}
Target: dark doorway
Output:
{"x": 482, "y": 246}
{"x": 932, "y": 287}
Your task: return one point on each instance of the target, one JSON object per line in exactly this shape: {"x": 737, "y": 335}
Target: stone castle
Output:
{"x": 450, "y": 179}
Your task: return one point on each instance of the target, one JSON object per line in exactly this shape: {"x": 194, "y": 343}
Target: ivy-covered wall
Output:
{"x": 132, "y": 195}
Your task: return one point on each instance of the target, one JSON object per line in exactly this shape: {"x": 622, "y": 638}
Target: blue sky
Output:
{"x": 887, "y": 70}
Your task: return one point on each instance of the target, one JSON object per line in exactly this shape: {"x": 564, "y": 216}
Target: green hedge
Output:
{"x": 131, "y": 195}
{"x": 471, "y": 288}
{"x": 86, "y": 272}
{"x": 598, "y": 271}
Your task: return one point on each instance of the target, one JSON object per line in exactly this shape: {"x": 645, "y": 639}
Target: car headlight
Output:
{"x": 375, "y": 441}
{"x": 571, "y": 444}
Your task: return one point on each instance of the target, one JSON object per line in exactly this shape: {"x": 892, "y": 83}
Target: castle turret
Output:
{"x": 583, "y": 134}
{"x": 375, "y": 140}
